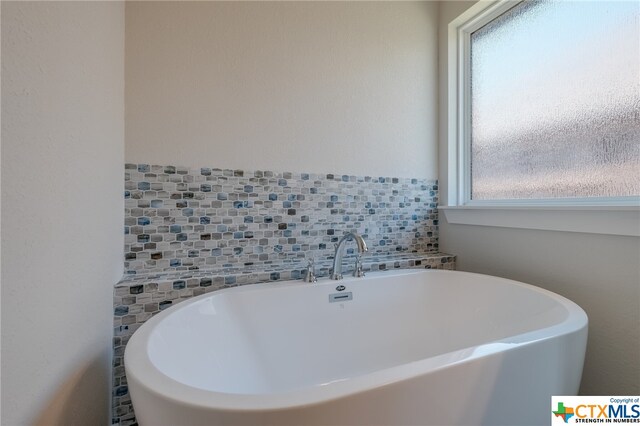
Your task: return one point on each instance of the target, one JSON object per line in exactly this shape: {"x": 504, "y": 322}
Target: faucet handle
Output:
{"x": 359, "y": 271}
{"x": 310, "y": 275}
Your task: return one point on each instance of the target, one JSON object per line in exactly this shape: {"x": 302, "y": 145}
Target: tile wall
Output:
{"x": 189, "y": 219}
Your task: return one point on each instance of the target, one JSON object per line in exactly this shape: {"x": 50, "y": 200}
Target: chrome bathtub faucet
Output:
{"x": 337, "y": 257}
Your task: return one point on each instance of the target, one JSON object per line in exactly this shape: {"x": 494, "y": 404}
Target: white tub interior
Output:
{"x": 268, "y": 339}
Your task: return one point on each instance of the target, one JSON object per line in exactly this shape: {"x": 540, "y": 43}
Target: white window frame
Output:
{"x": 605, "y": 215}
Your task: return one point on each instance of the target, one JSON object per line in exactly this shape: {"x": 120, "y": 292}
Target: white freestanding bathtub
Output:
{"x": 407, "y": 347}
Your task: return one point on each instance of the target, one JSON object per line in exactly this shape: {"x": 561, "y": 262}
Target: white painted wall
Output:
{"x": 345, "y": 87}
{"x": 599, "y": 272}
{"x": 62, "y": 208}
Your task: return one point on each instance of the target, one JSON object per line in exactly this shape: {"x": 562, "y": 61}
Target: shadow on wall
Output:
{"x": 75, "y": 401}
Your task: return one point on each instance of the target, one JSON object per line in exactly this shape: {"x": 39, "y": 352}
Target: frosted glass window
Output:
{"x": 555, "y": 101}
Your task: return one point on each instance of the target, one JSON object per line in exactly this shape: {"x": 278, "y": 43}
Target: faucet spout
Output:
{"x": 337, "y": 258}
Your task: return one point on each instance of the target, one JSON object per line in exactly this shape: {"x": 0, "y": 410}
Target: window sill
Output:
{"x": 610, "y": 220}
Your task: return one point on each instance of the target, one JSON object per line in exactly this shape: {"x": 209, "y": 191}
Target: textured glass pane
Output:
{"x": 555, "y": 101}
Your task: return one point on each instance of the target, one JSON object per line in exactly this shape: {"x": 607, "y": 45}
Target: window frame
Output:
{"x": 459, "y": 117}
{"x": 597, "y": 215}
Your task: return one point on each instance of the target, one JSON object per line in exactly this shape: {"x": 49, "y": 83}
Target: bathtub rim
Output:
{"x": 138, "y": 364}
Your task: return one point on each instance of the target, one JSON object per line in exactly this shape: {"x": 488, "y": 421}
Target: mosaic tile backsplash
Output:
{"x": 177, "y": 218}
